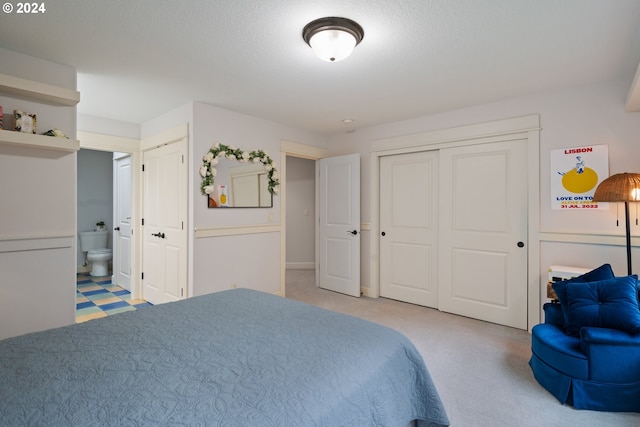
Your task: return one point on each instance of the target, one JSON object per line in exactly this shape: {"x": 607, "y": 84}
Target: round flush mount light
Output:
{"x": 332, "y": 39}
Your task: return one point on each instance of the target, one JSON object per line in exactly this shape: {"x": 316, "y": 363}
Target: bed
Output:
{"x": 233, "y": 358}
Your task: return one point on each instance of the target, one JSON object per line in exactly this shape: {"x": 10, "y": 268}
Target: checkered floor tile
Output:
{"x": 97, "y": 297}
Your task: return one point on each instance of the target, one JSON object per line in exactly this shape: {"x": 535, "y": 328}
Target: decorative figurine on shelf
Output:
{"x": 100, "y": 226}
{"x": 24, "y": 122}
{"x": 56, "y": 133}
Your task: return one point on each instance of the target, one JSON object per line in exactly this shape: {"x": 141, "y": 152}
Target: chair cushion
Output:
{"x": 611, "y": 303}
{"x": 559, "y": 350}
{"x": 560, "y": 288}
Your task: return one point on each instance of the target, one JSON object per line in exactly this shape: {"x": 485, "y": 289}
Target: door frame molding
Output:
{"x": 525, "y": 127}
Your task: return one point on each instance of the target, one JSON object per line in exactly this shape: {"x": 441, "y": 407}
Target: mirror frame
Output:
{"x": 218, "y": 151}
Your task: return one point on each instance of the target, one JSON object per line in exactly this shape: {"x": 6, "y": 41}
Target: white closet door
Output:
{"x": 165, "y": 223}
{"x": 409, "y": 228}
{"x": 483, "y": 240}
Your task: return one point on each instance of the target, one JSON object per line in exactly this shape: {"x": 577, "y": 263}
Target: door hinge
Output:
{"x": 142, "y": 275}
{"x": 181, "y": 292}
{"x": 143, "y": 167}
{"x": 142, "y": 221}
{"x": 182, "y": 225}
{"x": 183, "y": 158}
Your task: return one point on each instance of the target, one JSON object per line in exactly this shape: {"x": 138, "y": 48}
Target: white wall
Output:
{"x": 244, "y": 260}
{"x": 105, "y": 126}
{"x": 591, "y": 115}
{"x": 300, "y": 208}
{"x": 38, "y": 211}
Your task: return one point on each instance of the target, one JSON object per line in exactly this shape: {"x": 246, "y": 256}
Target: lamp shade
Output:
{"x": 332, "y": 39}
{"x": 621, "y": 187}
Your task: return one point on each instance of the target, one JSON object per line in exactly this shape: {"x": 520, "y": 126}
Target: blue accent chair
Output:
{"x": 597, "y": 370}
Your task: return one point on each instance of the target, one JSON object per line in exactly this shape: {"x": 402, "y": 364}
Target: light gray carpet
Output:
{"x": 480, "y": 369}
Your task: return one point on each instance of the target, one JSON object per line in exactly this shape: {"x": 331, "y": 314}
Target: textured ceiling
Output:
{"x": 139, "y": 59}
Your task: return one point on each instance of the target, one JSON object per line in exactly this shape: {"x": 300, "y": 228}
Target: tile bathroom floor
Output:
{"x": 97, "y": 297}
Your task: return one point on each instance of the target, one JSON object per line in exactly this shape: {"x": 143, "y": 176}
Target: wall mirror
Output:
{"x": 233, "y": 178}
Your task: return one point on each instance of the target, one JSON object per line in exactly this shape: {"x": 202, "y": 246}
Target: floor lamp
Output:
{"x": 621, "y": 187}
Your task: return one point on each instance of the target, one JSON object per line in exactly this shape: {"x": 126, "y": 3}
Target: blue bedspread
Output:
{"x": 233, "y": 358}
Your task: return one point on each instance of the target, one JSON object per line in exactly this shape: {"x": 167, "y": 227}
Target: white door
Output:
{"x": 122, "y": 229}
{"x": 165, "y": 223}
{"x": 339, "y": 224}
{"x": 409, "y": 228}
{"x": 483, "y": 223}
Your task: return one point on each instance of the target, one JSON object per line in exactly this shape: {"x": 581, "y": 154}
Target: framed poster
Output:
{"x": 575, "y": 174}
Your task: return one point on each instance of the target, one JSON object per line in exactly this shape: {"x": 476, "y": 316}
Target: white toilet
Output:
{"x": 95, "y": 244}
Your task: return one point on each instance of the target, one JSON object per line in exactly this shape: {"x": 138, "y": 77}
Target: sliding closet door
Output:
{"x": 409, "y": 227}
{"x": 483, "y": 232}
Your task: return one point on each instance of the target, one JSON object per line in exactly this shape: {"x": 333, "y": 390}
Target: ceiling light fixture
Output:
{"x": 332, "y": 39}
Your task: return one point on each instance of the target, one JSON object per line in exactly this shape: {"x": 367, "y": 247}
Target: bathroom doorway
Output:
{"x": 106, "y": 146}
{"x": 105, "y": 184}
{"x": 94, "y": 197}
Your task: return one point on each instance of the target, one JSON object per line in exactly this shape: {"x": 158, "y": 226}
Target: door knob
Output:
{"x": 521, "y": 244}
{"x": 160, "y": 235}
{"x": 354, "y": 232}
{"x": 117, "y": 229}
{"x": 383, "y": 234}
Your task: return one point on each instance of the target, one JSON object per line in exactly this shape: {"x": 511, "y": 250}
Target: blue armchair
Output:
{"x": 594, "y": 363}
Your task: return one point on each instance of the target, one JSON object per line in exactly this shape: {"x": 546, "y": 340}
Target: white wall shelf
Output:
{"x": 16, "y": 86}
{"x": 28, "y": 140}
{"x": 37, "y": 91}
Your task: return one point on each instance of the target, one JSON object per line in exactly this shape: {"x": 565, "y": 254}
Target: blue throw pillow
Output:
{"x": 611, "y": 303}
{"x": 603, "y": 272}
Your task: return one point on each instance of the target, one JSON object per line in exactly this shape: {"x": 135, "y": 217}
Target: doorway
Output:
{"x": 303, "y": 157}
{"x": 108, "y": 145}
{"x": 94, "y": 196}
{"x": 301, "y": 208}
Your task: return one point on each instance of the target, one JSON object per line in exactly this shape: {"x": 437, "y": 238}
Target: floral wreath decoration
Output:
{"x": 217, "y": 150}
